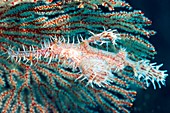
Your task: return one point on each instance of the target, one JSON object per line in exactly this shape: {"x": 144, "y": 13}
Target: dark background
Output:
{"x": 150, "y": 100}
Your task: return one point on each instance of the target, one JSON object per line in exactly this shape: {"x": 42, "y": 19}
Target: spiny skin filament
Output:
{"x": 95, "y": 66}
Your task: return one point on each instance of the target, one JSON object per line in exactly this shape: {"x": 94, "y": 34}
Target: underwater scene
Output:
{"x": 84, "y": 56}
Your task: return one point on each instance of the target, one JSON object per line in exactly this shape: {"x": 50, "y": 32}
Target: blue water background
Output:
{"x": 150, "y": 100}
